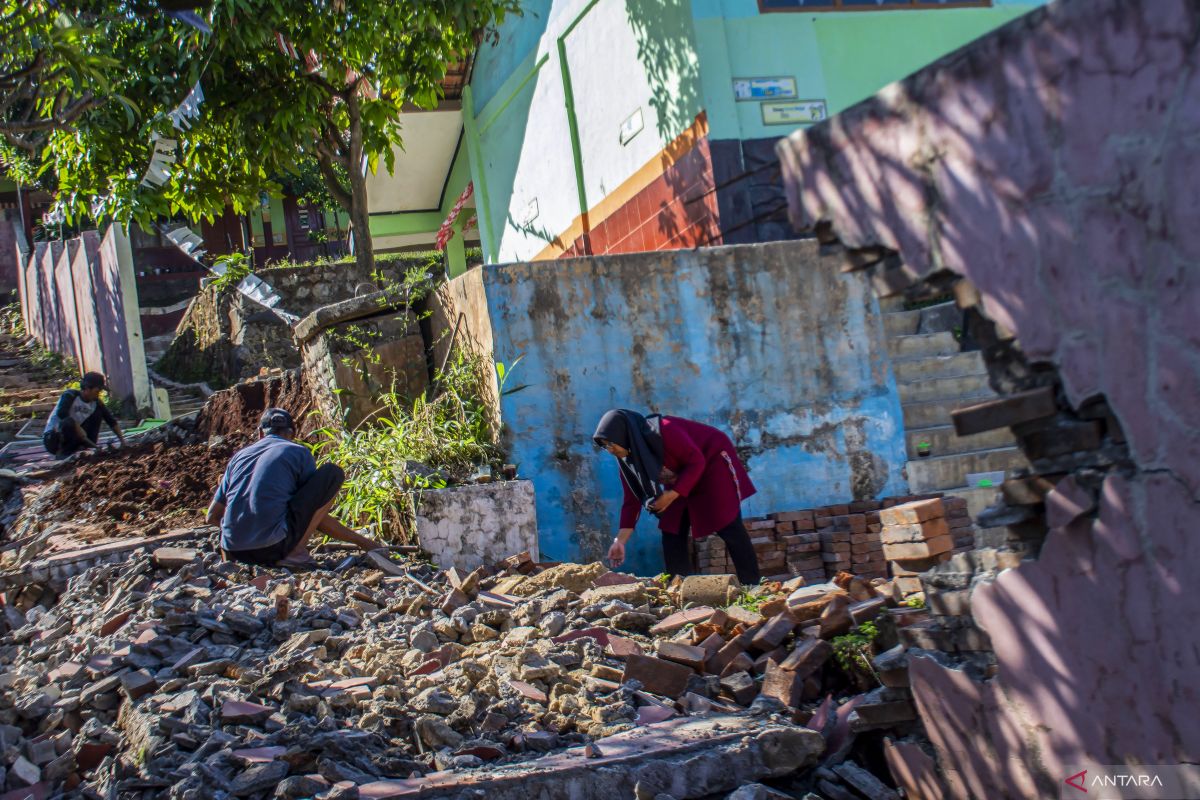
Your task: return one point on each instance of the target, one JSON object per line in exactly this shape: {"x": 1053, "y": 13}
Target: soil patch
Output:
{"x": 145, "y": 485}
{"x": 237, "y": 410}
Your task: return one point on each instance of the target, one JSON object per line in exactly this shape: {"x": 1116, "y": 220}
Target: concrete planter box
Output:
{"x": 468, "y": 526}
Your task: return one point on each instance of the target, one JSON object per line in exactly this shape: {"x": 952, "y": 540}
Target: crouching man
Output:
{"x": 273, "y": 498}
{"x": 75, "y": 422}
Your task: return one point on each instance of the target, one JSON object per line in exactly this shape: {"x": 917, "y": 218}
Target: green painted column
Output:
{"x": 487, "y": 236}
{"x": 456, "y": 251}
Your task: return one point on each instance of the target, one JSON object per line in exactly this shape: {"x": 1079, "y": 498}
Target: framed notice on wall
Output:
{"x": 793, "y": 112}
{"x": 763, "y": 88}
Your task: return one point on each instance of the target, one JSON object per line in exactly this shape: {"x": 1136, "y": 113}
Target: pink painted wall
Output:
{"x": 1055, "y": 163}
{"x": 72, "y": 303}
{"x": 64, "y": 292}
{"x": 91, "y": 334}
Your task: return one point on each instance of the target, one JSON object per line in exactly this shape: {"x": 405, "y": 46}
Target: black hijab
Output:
{"x": 640, "y": 436}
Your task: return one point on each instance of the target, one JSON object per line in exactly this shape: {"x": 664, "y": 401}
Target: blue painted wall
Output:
{"x": 518, "y": 38}
{"x": 764, "y": 341}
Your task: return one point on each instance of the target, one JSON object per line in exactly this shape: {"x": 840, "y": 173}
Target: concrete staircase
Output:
{"x": 934, "y": 378}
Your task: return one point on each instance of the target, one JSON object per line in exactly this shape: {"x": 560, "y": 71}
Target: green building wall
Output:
{"x": 839, "y": 57}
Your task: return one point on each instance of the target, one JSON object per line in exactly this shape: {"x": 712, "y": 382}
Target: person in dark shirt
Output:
{"x": 273, "y": 497}
{"x": 75, "y": 422}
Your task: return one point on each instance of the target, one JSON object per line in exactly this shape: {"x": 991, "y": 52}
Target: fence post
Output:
{"x": 133, "y": 319}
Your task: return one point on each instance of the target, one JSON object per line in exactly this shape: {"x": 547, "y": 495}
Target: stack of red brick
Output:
{"x": 916, "y": 537}
{"x": 818, "y": 543}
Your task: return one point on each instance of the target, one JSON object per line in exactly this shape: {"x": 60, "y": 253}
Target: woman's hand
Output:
{"x": 616, "y": 553}
{"x": 664, "y": 501}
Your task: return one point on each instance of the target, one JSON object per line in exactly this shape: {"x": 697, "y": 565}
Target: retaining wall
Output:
{"x": 788, "y": 359}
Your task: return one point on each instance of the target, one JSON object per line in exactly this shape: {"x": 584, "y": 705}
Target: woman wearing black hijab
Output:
{"x": 688, "y": 475}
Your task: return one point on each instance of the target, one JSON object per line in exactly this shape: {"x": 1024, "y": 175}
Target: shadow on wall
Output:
{"x": 684, "y": 206}
{"x": 663, "y": 29}
{"x": 1017, "y": 163}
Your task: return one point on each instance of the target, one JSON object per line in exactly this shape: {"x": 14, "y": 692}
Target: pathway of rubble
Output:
{"x": 134, "y": 662}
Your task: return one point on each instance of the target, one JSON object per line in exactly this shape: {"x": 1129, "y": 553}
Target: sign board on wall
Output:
{"x": 763, "y": 88}
{"x": 793, "y": 112}
{"x": 631, "y": 127}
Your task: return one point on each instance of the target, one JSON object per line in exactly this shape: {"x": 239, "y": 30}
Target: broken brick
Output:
{"x": 687, "y": 655}
{"x": 914, "y": 532}
{"x": 785, "y": 685}
{"x": 807, "y": 656}
{"x": 241, "y": 712}
{"x": 741, "y": 687}
{"x": 913, "y": 513}
{"x": 657, "y": 675}
{"x": 772, "y": 634}
{"x": 925, "y": 549}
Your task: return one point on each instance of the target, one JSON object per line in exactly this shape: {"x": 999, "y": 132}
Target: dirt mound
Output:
{"x": 237, "y": 410}
{"x": 146, "y": 484}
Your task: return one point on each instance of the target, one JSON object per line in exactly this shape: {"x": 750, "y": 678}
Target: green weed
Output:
{"x": 409, "y": 446}
{"x": 237, "y": 267}
{"x": 750, "y": 600}
{"x": 853, "y": 650}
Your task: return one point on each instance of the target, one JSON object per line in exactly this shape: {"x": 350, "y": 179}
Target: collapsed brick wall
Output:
{"x": 818, "y": 543}
{"x": 1053, "y": 164}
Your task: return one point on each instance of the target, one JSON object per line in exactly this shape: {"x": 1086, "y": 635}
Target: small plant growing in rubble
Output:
{"x": 750, "y": 600}
{"x": 11, "y": 321}
{"x": 916, "y": 601}
{"x": 237, "y": 267}
{"x": 853, "y": 650}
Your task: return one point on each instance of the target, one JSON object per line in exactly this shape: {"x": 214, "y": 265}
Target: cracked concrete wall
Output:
{"x": 1054, "y": 163}
{"x": 766, "y": 342}
{"x": 470, "y": 526}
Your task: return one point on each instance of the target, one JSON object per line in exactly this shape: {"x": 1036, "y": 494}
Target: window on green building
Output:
{"x": 864, "y": 5}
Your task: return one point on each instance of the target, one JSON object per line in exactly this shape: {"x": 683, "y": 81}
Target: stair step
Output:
{"x": 923, "y": 344}
{"x": 909, "y": 370}
{"x": 948, "y": 472}
{"x": 936, "y": 388}
{"x": 902, "y": 323}
{"x": 943, "y": 441}
{"x": 931, "y": 413}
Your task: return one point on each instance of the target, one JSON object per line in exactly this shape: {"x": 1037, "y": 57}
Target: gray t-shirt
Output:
{"x": 72, "y": 406}
{"x": 259, "y": 482}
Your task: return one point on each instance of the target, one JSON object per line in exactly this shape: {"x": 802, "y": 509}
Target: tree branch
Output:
{"x": 86, "y": 102}
{"x": 332, "y": 182}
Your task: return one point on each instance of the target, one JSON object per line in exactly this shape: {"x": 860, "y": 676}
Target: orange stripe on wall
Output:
{"x": 627, "y": 192}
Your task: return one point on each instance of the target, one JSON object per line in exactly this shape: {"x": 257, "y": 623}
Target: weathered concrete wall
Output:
{"x": 225, "y": 337}
{"x": 469, "y": 526}
{"x": 351, "y": 363}
{"x": 1054, "y": 163}
{"x": 763, "y": 341}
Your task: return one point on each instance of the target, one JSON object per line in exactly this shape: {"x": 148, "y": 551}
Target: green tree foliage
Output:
{"x": 286, "y": 82}
{"x": 65, "y": 64}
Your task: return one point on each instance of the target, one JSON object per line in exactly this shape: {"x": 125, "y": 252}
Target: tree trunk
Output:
{"x": 360, "y": 218}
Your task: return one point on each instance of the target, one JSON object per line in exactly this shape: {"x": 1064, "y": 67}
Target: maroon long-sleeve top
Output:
{"x": 701, "y": 464}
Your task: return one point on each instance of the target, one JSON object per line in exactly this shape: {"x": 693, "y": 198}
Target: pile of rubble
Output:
{"x": 176, "y": 674}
